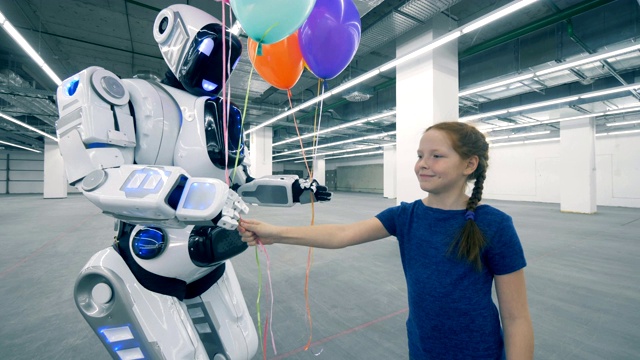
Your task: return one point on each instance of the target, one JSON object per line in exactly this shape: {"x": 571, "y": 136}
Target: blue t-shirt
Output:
{"x": 451, "y": 313}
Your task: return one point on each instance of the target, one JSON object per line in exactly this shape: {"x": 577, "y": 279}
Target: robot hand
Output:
{"x": 301, "y": 190}
{"x": 231, "y": 211}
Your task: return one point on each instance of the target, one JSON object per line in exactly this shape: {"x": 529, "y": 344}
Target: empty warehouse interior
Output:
{"x": 552, "y": 84}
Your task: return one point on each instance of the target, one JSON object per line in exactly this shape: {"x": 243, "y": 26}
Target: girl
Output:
{"x": 452, "y": 250}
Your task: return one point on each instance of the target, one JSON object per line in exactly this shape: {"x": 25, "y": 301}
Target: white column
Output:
{"x": 389, "y": 171}
{"x": 578, "y": 172}
{"x": 260, "y": 152}
{"x": 319, "y": 169}
{"x": 55, "y": 179}
{"x": 426, "y": 93}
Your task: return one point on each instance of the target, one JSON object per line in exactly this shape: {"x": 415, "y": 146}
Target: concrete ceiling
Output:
{"x": 116, "y": 34}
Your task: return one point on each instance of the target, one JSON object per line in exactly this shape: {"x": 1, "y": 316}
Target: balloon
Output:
{"x": 280, "y": 64}
{"x": 269, "y": 21}
{"x": 330, "y": 36}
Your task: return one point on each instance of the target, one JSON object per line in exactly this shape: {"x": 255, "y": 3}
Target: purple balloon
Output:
{"x": 330, "y": 36}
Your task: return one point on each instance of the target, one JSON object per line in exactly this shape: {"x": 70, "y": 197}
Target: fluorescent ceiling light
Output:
{"x": 588, "y": 60}
{"x": 374, "y": 136}
{"x": 495, "y": 85}
{"x": 355, "y": 81}
{"x": 518, "y": 135}
{"x": 18, "y": 122}
{"x": 483, "y": 115}
{"x": 529, "y": 134}
{"x": 543, "y": 103}
{"x": 289, "y": 112}
{"x": 495, "y": 15}
{"x": 619, "y": 132}
{"x": 17, "y": 37}
{"x": 624, "y": 123}
{"x": 341, "y": 126}
{"x": 350, "y": 155}
{"x": 336, "y": 152}
{"x": 524, "y": 142}
{"x": 432, "y": 45}
{"x": 610, "y": 91}
{"x": 19, "y": 146}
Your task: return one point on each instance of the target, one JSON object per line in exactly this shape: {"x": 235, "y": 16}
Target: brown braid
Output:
{"x": 467, "y": 141}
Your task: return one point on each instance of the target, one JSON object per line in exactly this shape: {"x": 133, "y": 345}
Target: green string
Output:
{"x": 259, "y": 292}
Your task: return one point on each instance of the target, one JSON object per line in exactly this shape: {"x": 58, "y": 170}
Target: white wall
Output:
{"x": 531, "y": 172}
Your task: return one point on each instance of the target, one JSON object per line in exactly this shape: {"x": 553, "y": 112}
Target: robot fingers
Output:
{"x": 231, "y": 211}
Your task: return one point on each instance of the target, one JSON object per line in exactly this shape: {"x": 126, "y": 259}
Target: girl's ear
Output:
{"x": 472, "y": 165}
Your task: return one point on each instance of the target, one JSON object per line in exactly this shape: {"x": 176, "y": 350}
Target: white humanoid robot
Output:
{"x": 152, "y": 156}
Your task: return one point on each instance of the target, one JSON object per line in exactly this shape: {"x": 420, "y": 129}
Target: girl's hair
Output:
{"x": 467, "y": 141}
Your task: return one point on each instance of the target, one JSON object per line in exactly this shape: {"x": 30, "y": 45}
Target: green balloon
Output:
{"x": 269, "y": 21}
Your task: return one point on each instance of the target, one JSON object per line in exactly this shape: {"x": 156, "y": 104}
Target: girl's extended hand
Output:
{"x": 253, "y": 231}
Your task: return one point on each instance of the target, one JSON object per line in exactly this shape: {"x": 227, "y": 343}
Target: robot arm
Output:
{"x": 282, "y": 190}
{"x": 162, "y": 196}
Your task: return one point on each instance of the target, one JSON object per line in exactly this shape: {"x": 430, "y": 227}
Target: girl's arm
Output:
{"x": 514, "y": 312}
{"x": 332, "y": 236}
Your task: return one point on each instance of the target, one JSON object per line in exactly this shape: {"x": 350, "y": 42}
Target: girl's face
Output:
{"x": 440, "y": 170}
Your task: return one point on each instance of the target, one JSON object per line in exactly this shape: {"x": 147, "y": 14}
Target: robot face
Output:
{"x": 191, "y": 43}
{"x": 201, "y": 70}
{"x": 215, "y": 135}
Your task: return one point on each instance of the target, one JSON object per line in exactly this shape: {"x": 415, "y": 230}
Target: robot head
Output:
{"x": 190, "y": 41}
{"x": 214, "y": 133}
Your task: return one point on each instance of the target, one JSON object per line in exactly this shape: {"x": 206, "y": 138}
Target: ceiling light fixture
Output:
{"x": 334, "y": 128}
{"x": 374, "y": 136}
{"x": 18, "y": 122}
{"x": 495, "y": 15}
{"x": 624, "y": 123}
{"x": 588, "y": 60}
{"x": 348, "y": 156}
{"x": 619, "y": 132}
{"x": 13, "y": 32}
{"x": 19, "y": 146}
{"x": 495, "y": 85}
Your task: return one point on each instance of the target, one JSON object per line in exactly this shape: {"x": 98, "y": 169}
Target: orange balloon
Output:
{"x": 281, "y": 63}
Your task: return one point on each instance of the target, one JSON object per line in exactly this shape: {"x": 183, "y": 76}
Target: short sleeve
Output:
{"x": 388, "y": 218}
{"x": 504, "y": 253}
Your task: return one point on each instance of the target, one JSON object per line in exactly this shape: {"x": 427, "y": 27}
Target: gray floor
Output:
{"x": 583, "y": 281}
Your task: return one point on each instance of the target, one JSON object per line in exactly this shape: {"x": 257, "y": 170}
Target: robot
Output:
{"x": 152, "y": 156}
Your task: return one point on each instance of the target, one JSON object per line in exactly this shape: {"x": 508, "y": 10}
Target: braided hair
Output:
{"x": 467, "y": 141}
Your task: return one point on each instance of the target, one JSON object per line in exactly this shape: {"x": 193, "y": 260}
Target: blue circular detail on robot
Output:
{"x": 148, "y": 243}
{"x": 72, "y": 86}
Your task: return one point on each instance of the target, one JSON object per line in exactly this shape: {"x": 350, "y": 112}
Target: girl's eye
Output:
{"x": 437, "y": 156}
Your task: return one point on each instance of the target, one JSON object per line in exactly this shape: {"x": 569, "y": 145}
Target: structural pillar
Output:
{"x": 55, "y": 179}
{"x": 578, "y": 171}
{"x": 389, "y": 170}
{"x": 319, "y": 169}
{"x": 260, "y": 152}
{"x": 426, "y": 93}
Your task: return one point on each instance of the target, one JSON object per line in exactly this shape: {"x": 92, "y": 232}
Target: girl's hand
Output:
{"x": 252, "y": 232}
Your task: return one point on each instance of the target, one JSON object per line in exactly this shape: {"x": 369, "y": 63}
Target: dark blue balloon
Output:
{"x": 330, "y": 36}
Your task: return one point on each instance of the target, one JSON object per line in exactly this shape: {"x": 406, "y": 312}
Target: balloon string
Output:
{"x": 270, "y": 295}
{"x": 295, "y": 123}
{"x": 310, "y": 253}
{"x": 244, "y": 113}
{"x": 259, "y": 293}
{"x": 224, "y": 100}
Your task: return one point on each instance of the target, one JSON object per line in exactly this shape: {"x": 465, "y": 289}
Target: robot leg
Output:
{"x": 131, "y": 321}
{"x": 223, "y": 321}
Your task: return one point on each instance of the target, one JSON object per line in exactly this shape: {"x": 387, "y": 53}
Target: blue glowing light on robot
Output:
{"x": 148, "y": 243}
{"x": 208, "y": 85}
{"x": 72, "y": 86}
{"x": 206, "y": 46}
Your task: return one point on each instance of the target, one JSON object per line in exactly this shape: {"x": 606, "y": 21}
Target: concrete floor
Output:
{"x": 583, "y": 281}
